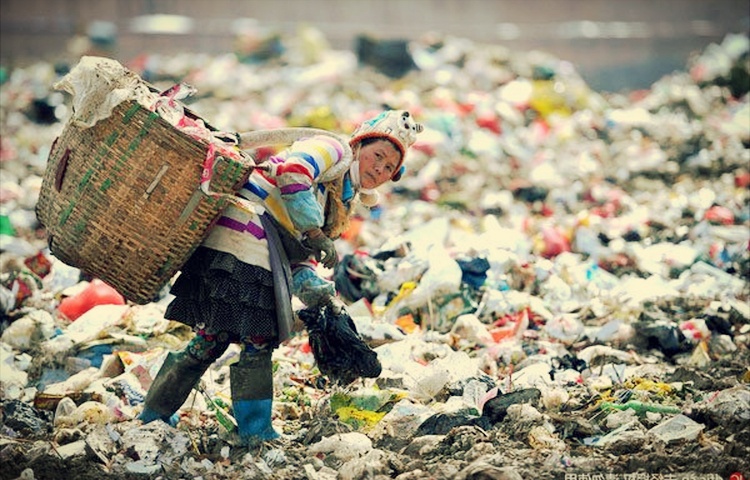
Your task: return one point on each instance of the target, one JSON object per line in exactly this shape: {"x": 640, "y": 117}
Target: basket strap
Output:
{"x": 287, "y": 136}
{"x": 260, "y": 138}
{"x": 209, "y": 168}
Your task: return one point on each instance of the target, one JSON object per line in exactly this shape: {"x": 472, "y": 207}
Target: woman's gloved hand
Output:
{"x": 322, "y": 247}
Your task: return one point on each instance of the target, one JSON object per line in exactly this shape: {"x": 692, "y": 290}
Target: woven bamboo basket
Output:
{"x": 122, "y": 202}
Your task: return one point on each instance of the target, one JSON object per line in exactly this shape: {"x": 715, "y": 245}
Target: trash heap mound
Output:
{"x": 558, "y": 285}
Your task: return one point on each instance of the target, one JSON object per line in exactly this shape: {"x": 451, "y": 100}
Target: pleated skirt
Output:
{"x": 217, "y": 293}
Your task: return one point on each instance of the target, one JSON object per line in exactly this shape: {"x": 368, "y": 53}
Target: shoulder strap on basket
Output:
{"x": 282, "y": 136}
{"x": 287, "y": 136}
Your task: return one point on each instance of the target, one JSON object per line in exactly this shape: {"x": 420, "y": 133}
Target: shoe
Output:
{"x": 148, "y": 415}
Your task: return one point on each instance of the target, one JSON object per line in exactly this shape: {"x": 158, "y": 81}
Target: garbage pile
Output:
{"x": 557, "y": 287}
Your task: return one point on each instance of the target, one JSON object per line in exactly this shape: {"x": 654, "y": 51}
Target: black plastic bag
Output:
{"x": 388, "y": 56}
{"x": 339, "y": 351}
{"x": 355, "y": 278}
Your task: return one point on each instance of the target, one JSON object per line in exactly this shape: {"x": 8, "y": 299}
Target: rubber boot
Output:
{"x": 251, "y": 382}
{"x": 171, "y": 387}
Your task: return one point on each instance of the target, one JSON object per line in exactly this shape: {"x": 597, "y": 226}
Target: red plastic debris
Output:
{"x": 719, "y": 215}
{"x": 555, "y": 243}
{"x": 96, "y": 293}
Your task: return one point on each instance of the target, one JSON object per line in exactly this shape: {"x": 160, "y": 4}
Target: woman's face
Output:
{"x": 378, "y": 162}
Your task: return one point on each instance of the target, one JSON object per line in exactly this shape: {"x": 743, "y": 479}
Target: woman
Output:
{"x": 238, "y": 285}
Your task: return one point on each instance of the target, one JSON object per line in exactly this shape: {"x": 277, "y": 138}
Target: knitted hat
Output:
{"x": 395, "y": 125}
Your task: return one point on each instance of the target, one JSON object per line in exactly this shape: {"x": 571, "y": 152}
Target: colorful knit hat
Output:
{"x": 395, "y": 125}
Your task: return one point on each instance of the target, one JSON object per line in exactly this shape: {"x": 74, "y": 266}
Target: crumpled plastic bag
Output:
{"x": 339, "y": 351}
{"x": 443, "y": 275}
{"x": 356, "y": 278}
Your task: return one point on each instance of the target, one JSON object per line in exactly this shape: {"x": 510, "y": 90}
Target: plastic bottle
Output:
{"x": 96, "y": 293}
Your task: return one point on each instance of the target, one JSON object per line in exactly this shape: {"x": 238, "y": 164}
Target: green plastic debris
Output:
{"x": 639, "y": 407}
{"x": 226, "y": 420}
{"x": 364, "y": 409}
{"x": 359, "y": 419}
{"x": 6, "y": 227}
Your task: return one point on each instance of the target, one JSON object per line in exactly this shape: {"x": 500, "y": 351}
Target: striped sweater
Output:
{"x": 287, "y": 186}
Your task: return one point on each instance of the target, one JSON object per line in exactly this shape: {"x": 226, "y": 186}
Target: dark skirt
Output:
{"x": 218, "y": 293}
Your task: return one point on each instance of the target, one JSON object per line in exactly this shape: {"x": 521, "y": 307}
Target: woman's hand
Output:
{"x": 322, "y": 247}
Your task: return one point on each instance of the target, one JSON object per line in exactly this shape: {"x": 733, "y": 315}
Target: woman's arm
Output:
{"x": 297, "y": 174}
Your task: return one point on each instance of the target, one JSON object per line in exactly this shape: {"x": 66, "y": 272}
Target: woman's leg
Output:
{"x": 178, "y": 375}
{"x": 252, "y": 394}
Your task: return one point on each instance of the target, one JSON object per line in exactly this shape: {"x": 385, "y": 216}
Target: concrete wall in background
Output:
{"x": 614, "y": 44}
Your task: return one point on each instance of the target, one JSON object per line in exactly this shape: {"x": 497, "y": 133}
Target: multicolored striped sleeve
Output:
{"x": 305, "y": 161}
{"x": 296, "y": 173}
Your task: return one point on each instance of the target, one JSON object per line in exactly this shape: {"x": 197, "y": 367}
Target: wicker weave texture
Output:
{"x": 121, "y": 200}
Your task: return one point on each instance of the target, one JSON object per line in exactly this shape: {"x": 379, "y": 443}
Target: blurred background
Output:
{"x": 615, "y": 45}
